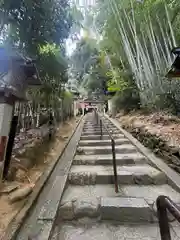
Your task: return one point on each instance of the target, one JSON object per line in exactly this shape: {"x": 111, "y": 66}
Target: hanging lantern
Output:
{"x": 174, "y": 72}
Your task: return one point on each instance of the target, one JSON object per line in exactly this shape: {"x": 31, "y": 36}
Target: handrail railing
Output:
{"x": 164, "y": 203}
{"x": 101, "y": 123}
{"x": 96, "y": 116}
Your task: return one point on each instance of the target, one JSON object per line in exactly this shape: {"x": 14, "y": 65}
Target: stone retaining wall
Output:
{"x": 169, "y": 153}
{"x": 29, "y": 148}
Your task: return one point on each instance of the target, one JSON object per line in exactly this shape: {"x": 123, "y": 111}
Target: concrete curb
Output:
{"x": 20, "y": 217}
{"x": 173, "y": 177}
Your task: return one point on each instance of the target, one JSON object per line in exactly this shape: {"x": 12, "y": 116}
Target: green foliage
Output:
{"x": 141, "y": 24}
{"x": 53, "y": 63}
{"x": 116, "y": 81}
{"x": 167, "y": 102}
{"x": 67, "y": 95}
{"x": 67, "y": 103}
{"x": 129, "y": 98}
{"x": 84, "y": 55}
{"x": 33, "y": 23}
{"x": 39, "y": 29}
{"x": 92, "y": 70}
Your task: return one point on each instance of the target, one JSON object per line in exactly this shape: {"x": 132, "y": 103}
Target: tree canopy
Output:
{"x": 39, "y": 29}
{"x": 135, "y": 38}
{"x": 126, "y": 42}
{"x": 30, "y": 23}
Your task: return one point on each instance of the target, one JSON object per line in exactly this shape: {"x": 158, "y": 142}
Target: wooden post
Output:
{"x": 10, "y": 145}
{"x": 6, "y": 111}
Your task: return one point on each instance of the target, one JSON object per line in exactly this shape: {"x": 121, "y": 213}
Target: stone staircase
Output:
{"x": 90, "y": 190}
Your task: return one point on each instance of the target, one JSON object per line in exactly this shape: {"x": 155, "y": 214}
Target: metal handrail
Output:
{"x": 96, "y": 116}
{"x": 163, "y": 204}
{"x": 113, "y": 152}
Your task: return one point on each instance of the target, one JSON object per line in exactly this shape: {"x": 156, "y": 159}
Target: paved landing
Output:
{"x": 84, "y": 230}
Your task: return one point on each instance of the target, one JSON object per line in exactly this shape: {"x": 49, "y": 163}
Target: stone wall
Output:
{"x": 171, "y": 154}
{"x": 29, "y": 147}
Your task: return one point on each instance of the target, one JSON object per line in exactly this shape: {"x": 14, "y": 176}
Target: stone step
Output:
{"x": 149, "y": 193}
{"x": 92, "y": 123}
{"x": 108, "y": 123}
{"x": 94, "y": 230}
{"x": 42, "y": 232}
{"x": 102, "y": 142}
{"x": 98, "y": 133}
{"x": 121, "y": 159}
{"x": 121, "y": 209}
{"x": 97, "y": 137}
{"x": 103, "y": 174}
{"x": 125, "y": 210}
{"x": 93, "y": 150}
{"x": 98, "y": 128}
{"x": 94, "y": 132}
{"x": 79, "y": 208}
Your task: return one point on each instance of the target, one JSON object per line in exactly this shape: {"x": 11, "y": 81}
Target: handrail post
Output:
{"x": 94, "y": 115}
{"x": 163, "y": 218}
{"x": 100, "y": 122}
{"x": 114, "y": 165}
{"x": 97, "y": 118}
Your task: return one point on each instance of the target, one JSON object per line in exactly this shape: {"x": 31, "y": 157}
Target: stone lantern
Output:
{"x": 17, "y": 73}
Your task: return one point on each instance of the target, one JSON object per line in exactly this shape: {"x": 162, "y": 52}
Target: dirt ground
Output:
{"x": 163, "y": 125}
{"x": 27, "y": 179}
{"x": 158, "y": 131}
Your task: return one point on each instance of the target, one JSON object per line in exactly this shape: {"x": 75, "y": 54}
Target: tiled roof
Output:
{"x": 5, "y": 55}
{"x": 16, "y": 84}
